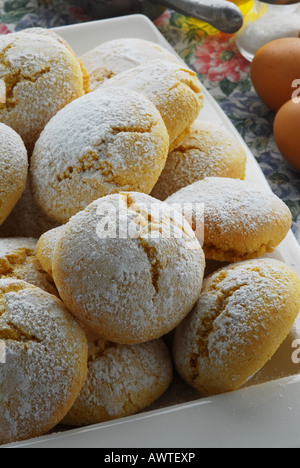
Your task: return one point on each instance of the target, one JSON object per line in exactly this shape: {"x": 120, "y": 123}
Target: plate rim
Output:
{"x": 280, "y": 387}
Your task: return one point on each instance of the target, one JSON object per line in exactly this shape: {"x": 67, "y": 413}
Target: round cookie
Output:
{"x": 241, "y": 220}
{"x": 41, "y": 75}
{"x": 208, "y": 150}
{"x": 27, "y": 219}
{"x": 18, "y": 260}
{"x": 45, "y": 361}
{"x": 46, "y": 246}
{"x": 13, "y": 170}
{"x": 174, "y": 89}
{"x": 122, "y": 380}
{"x": 105, "y": 142}
{"x": 113, "y": 57}
{"x": 128, "y": 267}
{"x": 244, "y": 313}
{"x": 61, "y": 40}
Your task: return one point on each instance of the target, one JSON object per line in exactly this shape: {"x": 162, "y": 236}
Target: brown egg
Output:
{"x": 273, "y": 70}
{"x": 287, "y": 132}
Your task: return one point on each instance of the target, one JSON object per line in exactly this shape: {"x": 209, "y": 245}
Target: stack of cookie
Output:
{"x": 105, "y": 165}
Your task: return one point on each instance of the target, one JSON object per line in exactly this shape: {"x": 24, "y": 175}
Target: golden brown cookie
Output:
{"x": 42, "y": 75}
{"x": 241, "y": 220}
{"x": 244, "y": 313}
{"x": 61, "y": 40}
{"x": 18, "y": 260}
{"x": 104, "y": 142}
{"x": 113, "y": 57}
{"x": 46, "y": 246}
{"x": 13, "y": 170}
{"x": 45, "y": 361}
{"x": 173, "y": 88}
{"x": 128, "y": 267}
{"x": 208, "y": 150}
{"x": 122, "y": 380}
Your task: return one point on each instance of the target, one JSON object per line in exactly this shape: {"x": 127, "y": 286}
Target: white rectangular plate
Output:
{"x": 266, "y": 413}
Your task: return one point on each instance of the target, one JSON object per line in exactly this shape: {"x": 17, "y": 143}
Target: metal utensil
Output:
{"x": 280, "y": 2}
{"x": 222, "y": 14}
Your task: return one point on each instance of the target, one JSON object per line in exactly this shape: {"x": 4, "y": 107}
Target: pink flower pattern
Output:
{"x": 163, "y": 19}
{"x": 217, "y": 58}
{"x": 221, "y": 68}
{"x": 4, "y": 29}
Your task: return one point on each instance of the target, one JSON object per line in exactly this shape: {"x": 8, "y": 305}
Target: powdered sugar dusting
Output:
{"x": 122, "y": 380}
{"x": 241, "y": 220}
{"x": 46, "y": 246}
{"x": 174, "y": 89}
{"x": 41, "y": 75}
{"x": 10, "y": 244}
{"x": 130, "y": 289}
{"x": 113, "y": 57}
{"x": 238, "y": 324}
{"x": 18, "y": 260}
{"x": 244, "y": 313}
{"x": 208, "y": 150}
{"x": 229, "y": 202}
{"x": 102, "y": 143}
{"x": 45, "y": 355}
{"x": 13, "y": 169}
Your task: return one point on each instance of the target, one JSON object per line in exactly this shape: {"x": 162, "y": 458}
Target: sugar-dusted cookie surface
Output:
{"x": 128, "y": 267}
{"x": 18, "y": 260}
{"x": 208, "y": 150}
{"x": 41, "y": 75}
{"x": 244, "y": 313}
{"x": 122, "y": 380}
{"x": 45, "y": 361}
{"x": 105, "y": 142}
{"x": 174, "y": 89}
{"x": 13, "y": 170}
{"x": 241, "y": 220}
{"x": 113, "y": 57}
{"x": 46, "y": 246}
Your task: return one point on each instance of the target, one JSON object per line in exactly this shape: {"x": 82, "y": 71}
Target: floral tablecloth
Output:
{"x": 221, "y": 68}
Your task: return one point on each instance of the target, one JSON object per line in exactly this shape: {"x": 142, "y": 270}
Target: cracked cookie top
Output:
{"x": 244, "y": 313}
{"x": 118, "y": 55}
{"x": 241, "y": 220}
{"x": 174, "y": 89}
{"x": 41, "y": 76}
{"x": 105, "y": 142}
{"x": 128, "y": 267}
{"x": 45, "y": 361}
{"x": 208, "y": 150}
